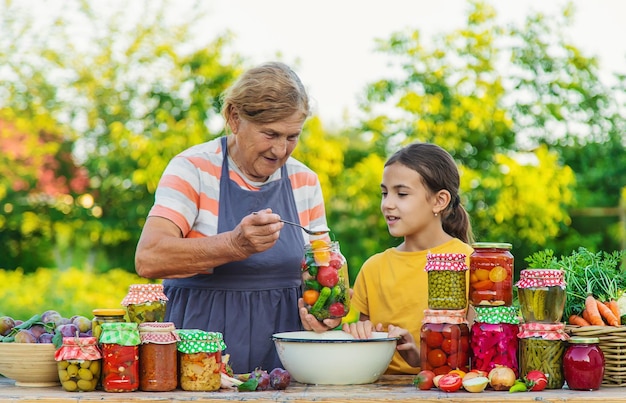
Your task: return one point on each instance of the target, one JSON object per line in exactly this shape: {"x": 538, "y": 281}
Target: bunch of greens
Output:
{"x": 585, "y": 272}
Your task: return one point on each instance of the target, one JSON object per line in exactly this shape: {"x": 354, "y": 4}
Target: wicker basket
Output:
{"x": 613, "y": 346}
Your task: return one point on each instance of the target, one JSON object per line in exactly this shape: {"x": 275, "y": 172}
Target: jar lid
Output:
{"x": 450, "y": 316}
{"x": 541, "y": 278}
{"x": 497, "y": 314}
{"x": 199, "y": 341}
{"x": 122, "y": 333}
{"x": 78, "y": 348}
{"x": 158, "y": 332}
{"x": 491, "y": 245}
{"x": 109, "y": 312}
{"x": 445, "y": 261}
{"x": 546, "y": 331}
{"x": 140, "y": 293}
{"x": 583, "y": 340}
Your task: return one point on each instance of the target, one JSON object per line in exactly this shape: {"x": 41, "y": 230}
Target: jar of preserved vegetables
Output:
{"x": 120, "y": 357}
{"x": 325, "y": 280}
{"x": 541, "y": 347}
{"x": 444, "y": 341}
{"x": 106, "y": 315}
{"x": 541, "y": 294}
{"x": 583, "y": 363}
{"x": 200, "y": 356}
{"x": 446, "y": 280}
{"x": 79, "y": 361}
{"x": 491, "y": 274}
{"x": 493, "y": 338}
{"x": 145, "y": 303}
{"x": 158, "y": 357}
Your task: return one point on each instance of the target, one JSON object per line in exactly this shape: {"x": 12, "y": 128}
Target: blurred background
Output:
{"x": 97, "y": 97}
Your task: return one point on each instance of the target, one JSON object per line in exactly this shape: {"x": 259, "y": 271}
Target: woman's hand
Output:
{"x": 257, "y": 232}
{"x": 406, "y": 346}
{"x": 310, "y": 322}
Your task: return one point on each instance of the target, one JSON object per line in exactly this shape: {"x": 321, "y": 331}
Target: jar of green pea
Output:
{"x": 447, "y": 280}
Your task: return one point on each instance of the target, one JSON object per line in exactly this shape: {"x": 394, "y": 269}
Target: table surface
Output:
{"x": 397, "y": 388}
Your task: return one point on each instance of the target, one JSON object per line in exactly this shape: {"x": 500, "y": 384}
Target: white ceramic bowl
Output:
{"x": 334, "y": 357}
{"x": 29, "y": 364}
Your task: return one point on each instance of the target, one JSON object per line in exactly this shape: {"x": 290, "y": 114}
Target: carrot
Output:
{"x": 585, "y": 316}
{"x": 612, "y": 304}
{"x": 607, "y": 314}
{"x": 591, "y": 305}
{"x": 577, "y": 320}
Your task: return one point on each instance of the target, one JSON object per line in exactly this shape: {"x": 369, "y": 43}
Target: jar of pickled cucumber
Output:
{"x": 444, "y": 341}
{"x": 120, "y": 357}
{"x": 446, "y": 280}
{"x": 583, "y": 363}
{"x": 325, "y": 280}
{"x": 493, "y": 338}
{"x": 79, "y": 361}
{"x": 491, "y": 274}
{"x": 200, "y": 354}
{"x": 158, "y": 357}
{"x": 106, "y": 315}
{"x": 541, "y": 294}
{"x": 541, "y": 347}
{"x": 145, "y": 303}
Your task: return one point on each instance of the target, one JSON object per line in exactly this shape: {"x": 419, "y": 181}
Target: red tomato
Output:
{"x": 434, "y": 339}
{"x": 536, "y": 380}
{"x": 450, "y": 382}
{"x": 327, "y": 276}
{"x": 424, "y": 380}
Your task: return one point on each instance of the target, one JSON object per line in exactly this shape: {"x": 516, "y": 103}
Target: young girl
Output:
{"x": 420, "y": 202}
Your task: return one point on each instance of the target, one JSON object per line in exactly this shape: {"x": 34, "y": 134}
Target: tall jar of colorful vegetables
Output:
{"x": 493, "y": 338}
{"x": 491, "y": 274}
{"x": 444, "y": 341}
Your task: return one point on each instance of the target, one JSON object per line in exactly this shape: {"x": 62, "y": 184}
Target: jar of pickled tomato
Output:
{"x": 444, "y": 341}
{"x": 79, "y": 361}
{"x": 493, "y": 338}
{"x": 541, "y": 294}
{"x": 583, "y": 363}
{"x": 120, "y": 357}
{"x": 325, "y": 280}
{"x": 200, "y": 355}
{"x": 145, "y": 303}
{"x": 541, "y": 347}
{"x": 158, "y": 357}
{"x": 446, "y": 281}
{"x": 491, "y": 274}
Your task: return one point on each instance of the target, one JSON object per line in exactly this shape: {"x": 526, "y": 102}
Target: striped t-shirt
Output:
{"x": 189, "y": 190}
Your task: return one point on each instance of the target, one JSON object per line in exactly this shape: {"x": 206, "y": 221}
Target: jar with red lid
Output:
{"x": 491, "y": 274}
{"x": 158, "y": 357}
{"x": 120, "y": 357}
{"x": 493, "y": 338}
{"x": 145, "y": 303}
{"x": 444, "y": 341}
{"x": 447, "y": 282}
{"x": 79, "y": 361}
{"x": 541, "y": 348}
{"x": 541, "y": 294}
{"x": 583, "y": 363}
{"x": 200, "y": 359}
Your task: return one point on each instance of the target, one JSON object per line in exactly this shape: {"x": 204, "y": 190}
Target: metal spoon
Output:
{"x": 316, "y": 231}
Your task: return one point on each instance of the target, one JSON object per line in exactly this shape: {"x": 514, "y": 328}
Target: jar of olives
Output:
{"x": 120, "y": 357}
{"x": 79, "y": 362}
{"x": 491, "y": 274}
{"x": 145, "y": 303}
{"x": 158, "y": 357}
{"x": 493, "y": 338}
{"x": 110, "y": 315}
{"x": 444, "y": 341}
{"x": 541, "y": 294}
{"x": 200, "y": 355}
{"x": 325, "y": 280}
{"x": 541, "y": 347}
{"x": 446, "y": 280}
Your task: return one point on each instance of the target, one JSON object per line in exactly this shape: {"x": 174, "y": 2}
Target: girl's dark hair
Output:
{"x": 439, "y": 172}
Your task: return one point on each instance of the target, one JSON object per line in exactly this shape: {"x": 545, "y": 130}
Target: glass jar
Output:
{"x": 200, "y": 357}
{"x": 583, "y": 363}
{"x": 541, "y": 347}
{"x": 493, "y": 338}
{"x": 325, "y": 280}
{"x": 145, "y": 303}
{"x": 79, "y": 362}
{"x": 120, "y": 357}
{"x": 541, "y": 294}
{"x": 444, "y": 341}
{"x": 158, "y": 357}
{"x": 446, "y": 281}
{"x": 491, "y": 274}
{"x": 106, "y": 315}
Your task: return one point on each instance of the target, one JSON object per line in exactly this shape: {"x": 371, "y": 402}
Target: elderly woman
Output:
{"x": 214, "y": 233}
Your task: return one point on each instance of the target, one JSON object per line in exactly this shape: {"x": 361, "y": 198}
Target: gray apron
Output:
{"x": 249, "y": 300}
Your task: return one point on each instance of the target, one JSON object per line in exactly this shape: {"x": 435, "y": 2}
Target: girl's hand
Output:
{"x": 360, "y": 330}
{"x": 406, "y": 346}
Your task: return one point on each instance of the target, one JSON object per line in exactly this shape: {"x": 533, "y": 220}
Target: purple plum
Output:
{"x": 25, "y": 336}
{"x": 82, "y": 323}
{"x": 37, "y": 330}
{"x": 51, "y": 316}
{"x": 6, "y": 325}
{"x": 262, "y": 377}
{"x": 68, "y": 330}
{"x": 45, "y": 338}
{"x": 279, "y": 378}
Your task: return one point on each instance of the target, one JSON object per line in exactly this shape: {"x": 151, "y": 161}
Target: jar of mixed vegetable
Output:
{"x": 541, "y": 347}
{"x": 158, "y": 357}
{"x": 120, "y": 357}
{"x": 79, "y": 362}
{"x": 106, "y": 315}
{"x": 491, "y": 274}
{"x": 444, "y": 341}
{"x": 145, "y": 303}
{"x": 583, "y": 363}
{"x": 541, "y": 294}
{"x": 446, "y": 280}
{"x": 493, "y": 338}
{"x": 325, "y": 280}
{"x": 200, "y": 355}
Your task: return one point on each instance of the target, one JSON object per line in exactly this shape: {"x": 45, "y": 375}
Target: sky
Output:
{"x": 330, "y": 43}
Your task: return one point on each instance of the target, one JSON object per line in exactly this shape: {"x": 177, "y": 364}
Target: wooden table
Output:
{"x": 388, "y": 388}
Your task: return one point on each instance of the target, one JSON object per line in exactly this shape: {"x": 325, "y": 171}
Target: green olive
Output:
{"x": 70, "y": 386}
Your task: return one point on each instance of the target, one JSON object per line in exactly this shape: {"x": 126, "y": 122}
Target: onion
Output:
{"x": 501, "y": 378}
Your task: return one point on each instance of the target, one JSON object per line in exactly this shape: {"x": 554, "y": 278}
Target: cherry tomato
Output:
{"x": 327, "y": 276}
{"x": 337, "y": 309}
{"x": 310, "y": 296}
{"x": 450, "y": 382}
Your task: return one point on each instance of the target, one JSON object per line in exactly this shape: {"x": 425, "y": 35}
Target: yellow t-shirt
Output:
{"x": 392, "y": 288}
